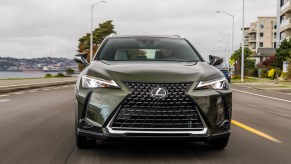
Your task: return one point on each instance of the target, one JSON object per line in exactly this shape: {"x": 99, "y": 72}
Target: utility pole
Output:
{"x": 243, "y": 43}
{"x": 91, "y": 34}
{"x": 232, "y": 44}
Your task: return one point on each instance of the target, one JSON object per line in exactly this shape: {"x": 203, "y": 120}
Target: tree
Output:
{"x": 99, "y": 34}
{"x": 70, "y": 71}
{"x": 249, "y": 67}
{"x": 236, "y": 56}
{"x": 282, "y": 53}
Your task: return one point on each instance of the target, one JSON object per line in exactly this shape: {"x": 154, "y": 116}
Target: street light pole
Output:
{"x": 232, "y": 40}
{"x": 91, "y": 34}
{"x": 232, "y": 44}
{"x": 228, "y": 45}
{"x": 243, "y": 43}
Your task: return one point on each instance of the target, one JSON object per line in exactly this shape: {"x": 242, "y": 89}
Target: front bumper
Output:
{"x": 96, "y": 109}
{"x": 183, "y": 136}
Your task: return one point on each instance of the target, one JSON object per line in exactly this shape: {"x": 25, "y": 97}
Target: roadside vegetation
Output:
{"x": 69, "y": 73}
{"x": 268, "y": 70}
{"x": 106, "y": 28}
{"x": 48, "y": 75}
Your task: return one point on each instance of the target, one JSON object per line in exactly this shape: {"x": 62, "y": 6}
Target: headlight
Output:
{"x": 219, "y": 84}
{"x": 93, "y": 82}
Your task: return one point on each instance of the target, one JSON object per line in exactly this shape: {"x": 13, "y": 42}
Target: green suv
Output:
{"x": 151, "y": 87}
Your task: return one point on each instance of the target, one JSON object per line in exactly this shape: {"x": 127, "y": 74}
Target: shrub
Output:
{"x": 236, "y": 76}
{"x": 255, "y": 73}
{"x": 268, "y": 63}
{"x": 278, "y": 72}
{"x": 70, "y": 71}
{"x": 249, "y": 67}
{"x": 271, "y": 74}
{"x": 60, "y": 75}
{"x": 284, "y": 75}
{"x": 264, "y": 74}
{"x": 48, "y": 75}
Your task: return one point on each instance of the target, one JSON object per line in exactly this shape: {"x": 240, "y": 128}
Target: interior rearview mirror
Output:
{"x": 82, "y": 59}
{"x": 215, "y": 60}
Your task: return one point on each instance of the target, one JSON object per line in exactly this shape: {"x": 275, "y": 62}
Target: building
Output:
{"x": 261, "y": 34}
{"x": 247, "y": 37}
{"x": 263, "y": 53}
{"x": 284, "y": 19}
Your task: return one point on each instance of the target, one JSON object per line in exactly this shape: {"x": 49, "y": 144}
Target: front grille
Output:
{"x": 142, "y": 111}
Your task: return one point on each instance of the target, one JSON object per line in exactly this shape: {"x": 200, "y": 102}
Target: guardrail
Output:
{"x": 13, "y": 88}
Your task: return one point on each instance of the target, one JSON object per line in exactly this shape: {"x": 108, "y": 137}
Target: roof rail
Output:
{"x": 111, "y": 35}
{"x": 180, "y": 36}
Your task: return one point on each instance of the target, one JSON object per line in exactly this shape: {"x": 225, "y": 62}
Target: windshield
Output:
{"x": 148, "y": 49}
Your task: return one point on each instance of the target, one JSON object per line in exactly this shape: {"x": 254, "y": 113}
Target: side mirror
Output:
{"x": 215, "y": 60}
{"x": 82, "y": 59}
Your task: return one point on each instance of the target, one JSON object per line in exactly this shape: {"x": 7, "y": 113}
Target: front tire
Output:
{"x": 218, "y": 144}
{"x": 229, "y": 80}
{"x": 84, "y": 142}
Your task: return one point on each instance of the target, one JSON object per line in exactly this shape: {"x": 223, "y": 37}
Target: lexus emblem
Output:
{"x": 159, "y": 92}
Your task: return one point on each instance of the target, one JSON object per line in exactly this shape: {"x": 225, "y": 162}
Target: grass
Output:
{"x": 33, "y": 78}
{"x": 263, "y": 83}
{"x": 21, "y": 78}
{"x": 252, "y": 79}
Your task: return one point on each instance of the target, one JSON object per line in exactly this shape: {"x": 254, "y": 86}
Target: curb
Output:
{"x": 276, "y": 90}
{"x": 13, "y": 88}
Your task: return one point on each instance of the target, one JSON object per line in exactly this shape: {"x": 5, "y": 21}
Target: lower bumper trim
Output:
{"x": 152, "y": 136}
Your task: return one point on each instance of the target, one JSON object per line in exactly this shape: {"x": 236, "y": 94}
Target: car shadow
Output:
{"x": 148, "y": 152}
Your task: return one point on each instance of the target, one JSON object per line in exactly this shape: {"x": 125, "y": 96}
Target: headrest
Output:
{"x": 158, "y": 55}
{"x": 121, "y": 55}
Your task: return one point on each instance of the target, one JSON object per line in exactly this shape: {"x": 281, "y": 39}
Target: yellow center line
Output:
{"x": 257, "y": 132}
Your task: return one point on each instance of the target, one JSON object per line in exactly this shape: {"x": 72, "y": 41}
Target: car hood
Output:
{"x": 152, "y": 71}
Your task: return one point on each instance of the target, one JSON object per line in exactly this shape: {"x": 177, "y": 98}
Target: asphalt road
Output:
{"x": 37, "y": 126}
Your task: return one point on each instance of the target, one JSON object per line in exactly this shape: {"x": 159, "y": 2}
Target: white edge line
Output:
{"x": 36, "y": 83}
{"x": 262, "y": 96}
{"x": 4, "y": 95}
{"x": 18, "y": 93}
{"x": 4, "y": 100}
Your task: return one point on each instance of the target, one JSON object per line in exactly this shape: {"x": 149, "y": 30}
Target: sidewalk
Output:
{"x": 4, "y": 82}
{"x": 266, "y": 84}
{"x": 24, "y": 84}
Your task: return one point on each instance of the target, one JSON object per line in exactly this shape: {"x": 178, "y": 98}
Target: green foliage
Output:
{"x": 284, "y": 75}
{"x": 48, "y": 75}
{"x": 99, "y": 34}
{"x": 60, "y": 75}
{"x": 236, "y": 56}
{"x": 249, "y": 67}
{"x": 70, "y": 71}
{"x": 235, "y": 76}
{"x": 254, "y": 73}
{"x": 282, "y": 53}
{"x": 264, "y": 73}
{"x": 278, "y": 72}
{"x": 104, "y": 29}
{"x": 289, "y": 71}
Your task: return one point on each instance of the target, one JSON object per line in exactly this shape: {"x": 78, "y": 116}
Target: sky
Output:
{"x": 42, "y": 28}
